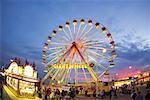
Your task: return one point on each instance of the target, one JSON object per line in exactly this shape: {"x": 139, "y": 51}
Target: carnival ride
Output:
{"x": 78, "y": 51}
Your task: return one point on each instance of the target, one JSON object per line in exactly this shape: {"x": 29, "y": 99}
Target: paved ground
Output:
{"x": 5, "y": 96}
{"x": 120, "y": 97}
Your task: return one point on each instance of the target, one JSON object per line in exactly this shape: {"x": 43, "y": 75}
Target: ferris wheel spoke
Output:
{"x": 82, "y": 31}
{"x": 70, "y": 32}
{"x": 102, "y": 73}
{"x": 66, "y": 34}
{"x": 88, "y": 31}
{"x": 56, "y": 48}
{"x": 61, "y": 39}
{"x": 56, "y": 73}
{"x": 69, "y": 75}
{"x": 64, "y": 76}
{"x": 59, "y": 43}
{"x": 60, "y": 76}
{"x": 47, "y": 75}
{"x": 76, "y": 74}
{"x": 90, "y": 34}
{"x": 78, "y": 31}
{"x": 90, "y": 57}
{"x": 96, "y": 62}
{"x": 74, "y": 31}
{"x": 85, "y": 75}
{"x": 97, "y": 54}
{"x": 54, "y": 53}
{"x": 51, "y": 60}
{"x": 93, "y": 44}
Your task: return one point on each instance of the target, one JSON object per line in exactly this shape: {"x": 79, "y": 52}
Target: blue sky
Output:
{"x": 25, "y": 25}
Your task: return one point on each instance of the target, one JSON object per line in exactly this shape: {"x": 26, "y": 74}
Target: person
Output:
{"x": 52, "y": 95}
{"x": 86, "y": 92}
{"x": 133, "y": 95}
{"x": 63, "y": 94}
{"x": 57, "y": 94}
{"x": 94, "y": 93}
{"x": 40, "y": 94}
{"x": 111, "y": 93}
{"x": 1, "y": 89}
{"x": 77, "y": 91}
{"x": 147, "y": 96}
{"x": 72, "y": 93}
{"x": 102, "y": 93}
{"x": 115, "y": 93}
{"x": 48, "y": 92}
{"x": 139, "y": 96}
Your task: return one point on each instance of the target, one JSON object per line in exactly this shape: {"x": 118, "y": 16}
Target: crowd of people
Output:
{"x": 126, "y": 90}
{"x": 55, "y": 94}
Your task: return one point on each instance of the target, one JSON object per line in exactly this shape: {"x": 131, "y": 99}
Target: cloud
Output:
{"x": 133, "y": 50}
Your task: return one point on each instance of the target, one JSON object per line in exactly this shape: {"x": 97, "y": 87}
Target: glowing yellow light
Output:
{"x": 104, "y": 50}
{"x": 28, "y": 71}
{"x": 114, "y": 55}
{"x": 48, "y": 40}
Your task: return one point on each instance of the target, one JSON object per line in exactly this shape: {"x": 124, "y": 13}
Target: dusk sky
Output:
{"x": 25, "y": 25}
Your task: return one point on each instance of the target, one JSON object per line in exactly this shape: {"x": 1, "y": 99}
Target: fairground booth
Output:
{"x": 22, "y": 78}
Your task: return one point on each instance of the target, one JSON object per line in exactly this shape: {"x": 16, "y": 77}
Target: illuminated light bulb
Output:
{"x": 130, "y": 67}
{"x": 77, "y": 66}
{"x": 45, "y": 70}
{"x": 114, "y": 55}
{"x": 43, "y": 55}
{"x": 45, "y": 46}
{"x": 71, "y": 66}
{"x": 104, "y": 50}
{"x": 90, "y": 22}
{"x": 11, "y": 60}
{"x": 49, "y": 39}
{"x": 43, "y": 62}
{"x": 60, "y": 27}
{"x": 67, "y": 66}
{"x": 82, "y": 21}
{"x": 112, "y": 46}
{"x": 54, "y": 32}
{"x": 67, "y": 24}
{"x": 74, "y": 22}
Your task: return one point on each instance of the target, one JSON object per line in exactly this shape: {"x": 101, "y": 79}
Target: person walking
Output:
{"x": 133, "y": 95}
{"x": 111, "y": 93}
{"x": 102, "y": 93}
{"x": 57, "y": 94}
{"x": 147, "y": 96}
{"x": 139, "y": 96}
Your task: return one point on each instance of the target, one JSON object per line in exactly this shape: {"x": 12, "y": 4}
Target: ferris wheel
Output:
{"x": 78, "y": 51}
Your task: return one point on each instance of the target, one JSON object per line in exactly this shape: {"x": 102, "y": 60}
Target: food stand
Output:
{"x": 22, "y": 79}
